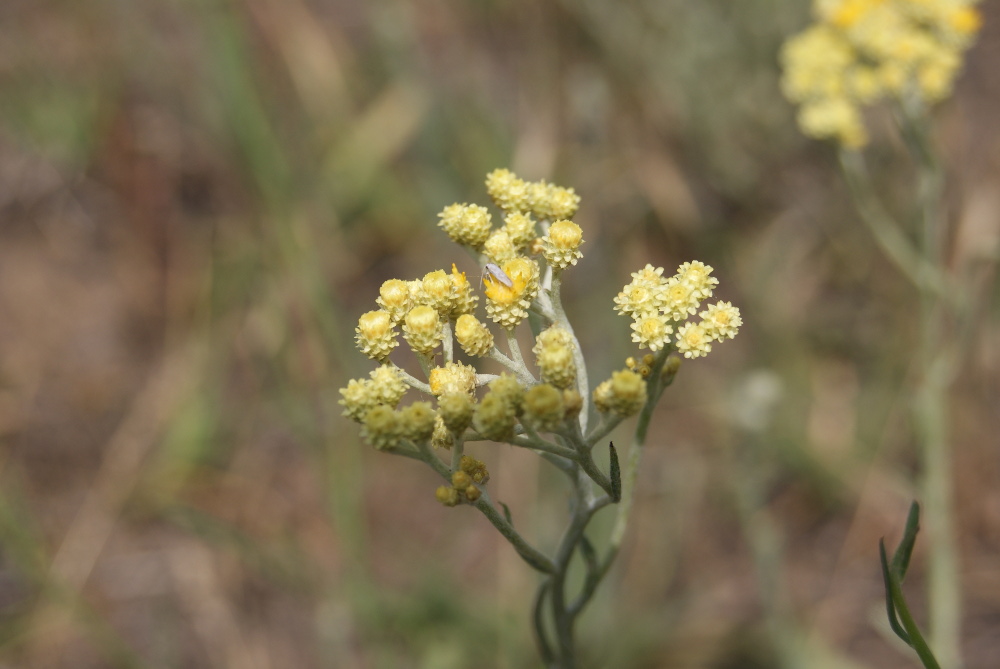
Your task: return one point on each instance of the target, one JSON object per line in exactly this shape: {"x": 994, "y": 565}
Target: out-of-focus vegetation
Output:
{"x": 197, "y": 200}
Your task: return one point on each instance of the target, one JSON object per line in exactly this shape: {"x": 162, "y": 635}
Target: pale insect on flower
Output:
{"x": 493, "y": 272}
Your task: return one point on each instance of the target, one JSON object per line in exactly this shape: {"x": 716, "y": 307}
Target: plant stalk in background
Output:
{"x": 906, "y": 53}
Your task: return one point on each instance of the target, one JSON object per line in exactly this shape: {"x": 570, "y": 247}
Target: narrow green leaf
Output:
{"x": 901, "y": 558}
{"x": 616, "y": 475}
{"x": 890, "y": 605}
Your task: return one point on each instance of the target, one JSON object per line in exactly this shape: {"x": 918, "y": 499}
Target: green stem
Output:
{"x": 528, "y": 553}
{"x": 931, "y": 404}
{"x": 884, "y": 228}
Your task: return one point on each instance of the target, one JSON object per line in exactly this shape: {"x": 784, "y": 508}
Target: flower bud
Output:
{"x": 422, "y": 329}
{"x": 456, "y": 411}
{"x": 394, "y": 297}
{"x": 447, "y": 496}
{"x": 381, "y": 428}
{"x": 466, "y": 224}
{"x": 543, "y": 407}
{"x": 474, "y": 337}
{"x": 454, "y": 377}
{"x": 561, "y": 247}
{"x": 376, "y": 336}
{"x": 417, "y": 421}
{"x": 624, "y": 393}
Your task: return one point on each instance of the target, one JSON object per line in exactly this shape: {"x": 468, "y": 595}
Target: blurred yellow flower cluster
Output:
{"x": 861, "y": 51}
{"x": 657, "y": 304}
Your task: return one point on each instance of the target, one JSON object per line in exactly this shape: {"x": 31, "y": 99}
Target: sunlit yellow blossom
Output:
{"x": 552, "y": 202}
{"x": 422, "y": 329}
{"x": 554, "y": 351}
{"x": 387, "y": 385}
{"x": 376, "y": 336}
{"x": 474, "y": 337}
{"x": 520, "y": 228}
{"x": 681, "y": 299}
{"x": 508, "y": 305}
{"x": 508, "y": 192}
{"x": 651, "y": 332}
{"x": 561, "y": 246}
{"x": 394, "y": 297}
{"x": 499, "y": 248}
{"x": 454, "y": 377}
{"x": 644, "y": 295}
{"x": 721, "y": 320}
{"x": 693, "y": 340}
{"x": 437, "y": 290}
{"x": 464, "y": 300}
{"x": 697, "y": 275}
{"x": 466, "y": 224}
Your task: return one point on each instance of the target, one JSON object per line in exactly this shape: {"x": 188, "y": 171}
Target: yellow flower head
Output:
{"x": 561, "y": 247}
{"x": 693, "y": 340}
{"x": 474, "y": 337}
{"x": 507, "y": 191}
{"x": 651, "y": 332}
{"x": 508, "y": 305}
{"x": 624, "y": 393}
{"x": 721, "y": 320}
{"x": 422, "y": 329}
{"x": 394, "y": 297}
{"x": 376, "y": 336}
{"x": 520, "y": 228}
{"x": 554, "y": 351}
{"x": 453, "y": 378}
{"x": 464, "y": 300}
{"x": 466, "y": 224}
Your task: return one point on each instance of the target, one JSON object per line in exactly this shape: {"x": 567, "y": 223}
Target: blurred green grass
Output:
{"x": 198, "y": 200}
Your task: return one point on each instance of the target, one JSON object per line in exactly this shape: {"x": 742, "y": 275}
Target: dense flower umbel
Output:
{"x": 660, "y": 306}
{"x": 861, "y": 51}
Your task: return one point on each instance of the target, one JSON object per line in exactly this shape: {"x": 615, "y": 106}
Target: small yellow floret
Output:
{"x": 561, "y": 247}
{"x": 508, "y": 305}
{"x": 651, "y": 332}
{"x": 376, "y": 336}
{"x": 422, "y": 329}
{"x": 474, "y": 337}
{"x": 394, "y": 297}
{"x": 693, "y": 340}
{"x": 453, "y": 378}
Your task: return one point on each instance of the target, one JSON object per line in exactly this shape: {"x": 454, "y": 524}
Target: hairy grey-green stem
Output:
{"x": 582, "y": 384}
{"x": 528, "y": 553}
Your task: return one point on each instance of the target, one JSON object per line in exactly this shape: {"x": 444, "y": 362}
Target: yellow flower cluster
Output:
{"x": 422, "y": 307}
{"x": 544, "y": 200}
{"x": 657, "y": 304}
{"x": 861, "y": 51}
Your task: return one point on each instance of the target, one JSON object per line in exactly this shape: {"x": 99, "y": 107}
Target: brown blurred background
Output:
{"x": 199, "y": 198}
